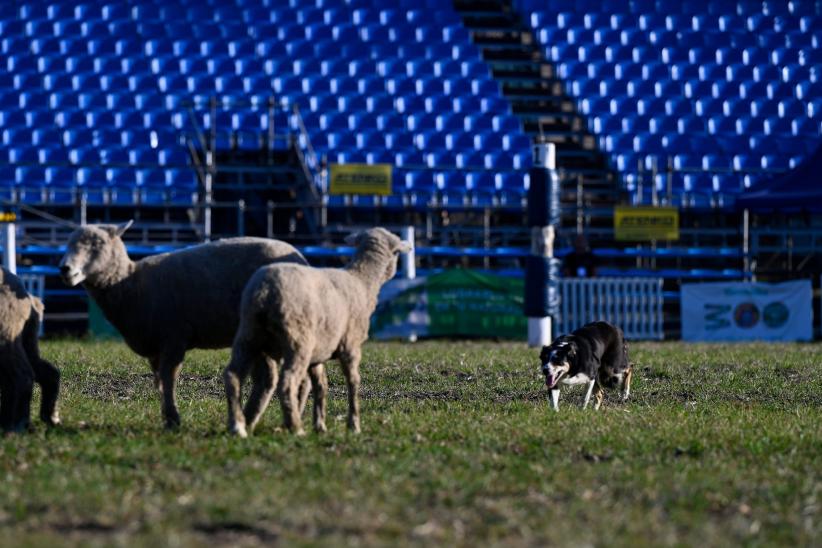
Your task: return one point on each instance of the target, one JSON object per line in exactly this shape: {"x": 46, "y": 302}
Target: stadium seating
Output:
{"x": 93, "y": 81}
{"x": 730, "y": 87}
{"x": 715, "y": 84}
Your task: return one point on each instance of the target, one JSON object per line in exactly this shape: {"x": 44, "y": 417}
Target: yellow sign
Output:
{"x": 8, "y": 216}
{"x": 361, "y": 179}
{"x": 642, "y": 224}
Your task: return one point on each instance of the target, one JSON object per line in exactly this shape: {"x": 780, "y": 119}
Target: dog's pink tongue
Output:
{"x": 551, "y": 381}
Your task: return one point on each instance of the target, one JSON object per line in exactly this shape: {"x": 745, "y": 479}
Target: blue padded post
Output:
{"x": 541, "y": 268}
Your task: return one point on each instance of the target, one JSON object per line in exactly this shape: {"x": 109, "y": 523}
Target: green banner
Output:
{"x": 453, "y": 303}
{"x": 98, "y": 326}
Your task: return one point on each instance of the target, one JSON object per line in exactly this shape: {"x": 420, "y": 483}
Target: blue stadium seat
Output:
{"x": 379, "y": 157}
{"x": 488, "y": 141}
{"x": 172, "y": 156}
{"x": 152, "y": 186}
{"x": 52, "y": 155}
{"x": 61, "y": 185}
{"x": 429, "y": 140}
{"x": 408, "y": 158}
{"x": 777, "y": 126}
{"x": 806, "y": 127}
{"x": 499, "y": 161}
{"x": 459, "y": 141}
{"x": 470, "y": 159}
{"x": 420, "y": 181}
{"x": 773, "y": 161}
{"x": 398, "y": 140}
{"x": 475, "y": 122}
{"x": 763, "y": 108}
{"x": 516, "y": 142}
{"x": 42, "y": 137}
{"x": 122, "y": 185}
{"x": 77, "y": 137}
{"x": 441, "y": 159}
{"x": 182, "y": 186}
{"x": 142, "y": 156}
{"x": 30, "y": 183}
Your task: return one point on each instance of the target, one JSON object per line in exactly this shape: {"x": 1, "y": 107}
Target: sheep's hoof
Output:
{"x": 320, "y": 428}
{"x": 51, "y": 420}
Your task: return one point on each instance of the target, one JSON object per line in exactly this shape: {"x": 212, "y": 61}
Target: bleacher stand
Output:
{"x": 91, "y": 87}
{"x": 723, "y": 89}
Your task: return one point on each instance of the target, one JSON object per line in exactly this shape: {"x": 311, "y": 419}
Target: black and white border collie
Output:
{"x": 595, "y": 355}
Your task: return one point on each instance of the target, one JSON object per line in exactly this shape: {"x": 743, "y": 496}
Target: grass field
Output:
{"x": 719, "y": 446}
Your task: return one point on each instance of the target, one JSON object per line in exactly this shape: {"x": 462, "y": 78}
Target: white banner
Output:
{"x": 740, "y": 311}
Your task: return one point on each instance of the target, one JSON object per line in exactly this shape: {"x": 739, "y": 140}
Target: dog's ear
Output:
{"x": 572, "y": 349}
{"x": 545, "y": 353}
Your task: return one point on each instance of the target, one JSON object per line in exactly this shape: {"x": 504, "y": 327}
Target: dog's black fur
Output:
{"x": 597, "y": 349}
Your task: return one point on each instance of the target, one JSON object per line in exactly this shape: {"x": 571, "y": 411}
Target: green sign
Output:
{"x": 454, "y": 303}
{"x": 98, "y": 326}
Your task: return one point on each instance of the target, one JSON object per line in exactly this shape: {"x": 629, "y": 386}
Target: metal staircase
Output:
{"x": 537, "y": 95}
{"x": 256, "y": 181}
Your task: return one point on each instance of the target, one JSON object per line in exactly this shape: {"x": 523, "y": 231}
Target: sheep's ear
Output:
{"x": 404, "y": 247}
{"x": 353, "y": 239}
{"x": 121, "y": 229}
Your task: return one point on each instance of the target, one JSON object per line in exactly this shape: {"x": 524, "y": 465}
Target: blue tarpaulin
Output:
{"x": 797, "y": 190}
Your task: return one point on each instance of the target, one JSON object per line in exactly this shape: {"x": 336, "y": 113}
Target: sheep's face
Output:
{"x": 89, "y": 252}
{"x": 382, "y": 242}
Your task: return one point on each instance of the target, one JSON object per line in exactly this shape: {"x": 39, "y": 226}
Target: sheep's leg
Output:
{"x": 264, "y": 379}
{"x": 295, "y": 367}
{"x": 25, "y": 388}
{"x": 319, "y": 381}
{"x": 45, "y": 374}
{"x": 155, "y": 369}
{"x": 351, "y": 368}
{"x": 7, "y": 396}
{"x": 48, "y": 377}
{"x": 16, "y": 394}
{"x": 233, "y": 376}
{"x": 170, "y": 364}
{"x": 304, "y": 392}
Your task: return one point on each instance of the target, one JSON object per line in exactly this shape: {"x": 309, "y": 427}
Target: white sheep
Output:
{"x": 166, "y": 304}
{"x": 301, "y": 317}
{"x": 20, "y": 362}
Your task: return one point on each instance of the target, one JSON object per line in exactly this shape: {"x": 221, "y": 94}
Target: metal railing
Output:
{"x": 649, "y": 168}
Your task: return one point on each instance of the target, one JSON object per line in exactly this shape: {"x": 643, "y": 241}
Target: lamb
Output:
{"x": 166, "y": 304}
{"x": 301, "y": 317}
{"x": 20, "y": 361}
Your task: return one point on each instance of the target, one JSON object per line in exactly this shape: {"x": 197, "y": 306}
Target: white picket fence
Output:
{"x": 634, "y": 304}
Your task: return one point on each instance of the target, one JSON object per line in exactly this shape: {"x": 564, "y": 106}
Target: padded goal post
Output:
{"x": 541, "y": 268}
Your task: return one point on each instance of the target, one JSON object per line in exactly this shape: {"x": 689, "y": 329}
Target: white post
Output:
{"x": 409, "y": 262}
{"x": 539, "y": 332}
{"x": 10, "y": 247}
{"x": 542, "y": 245}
